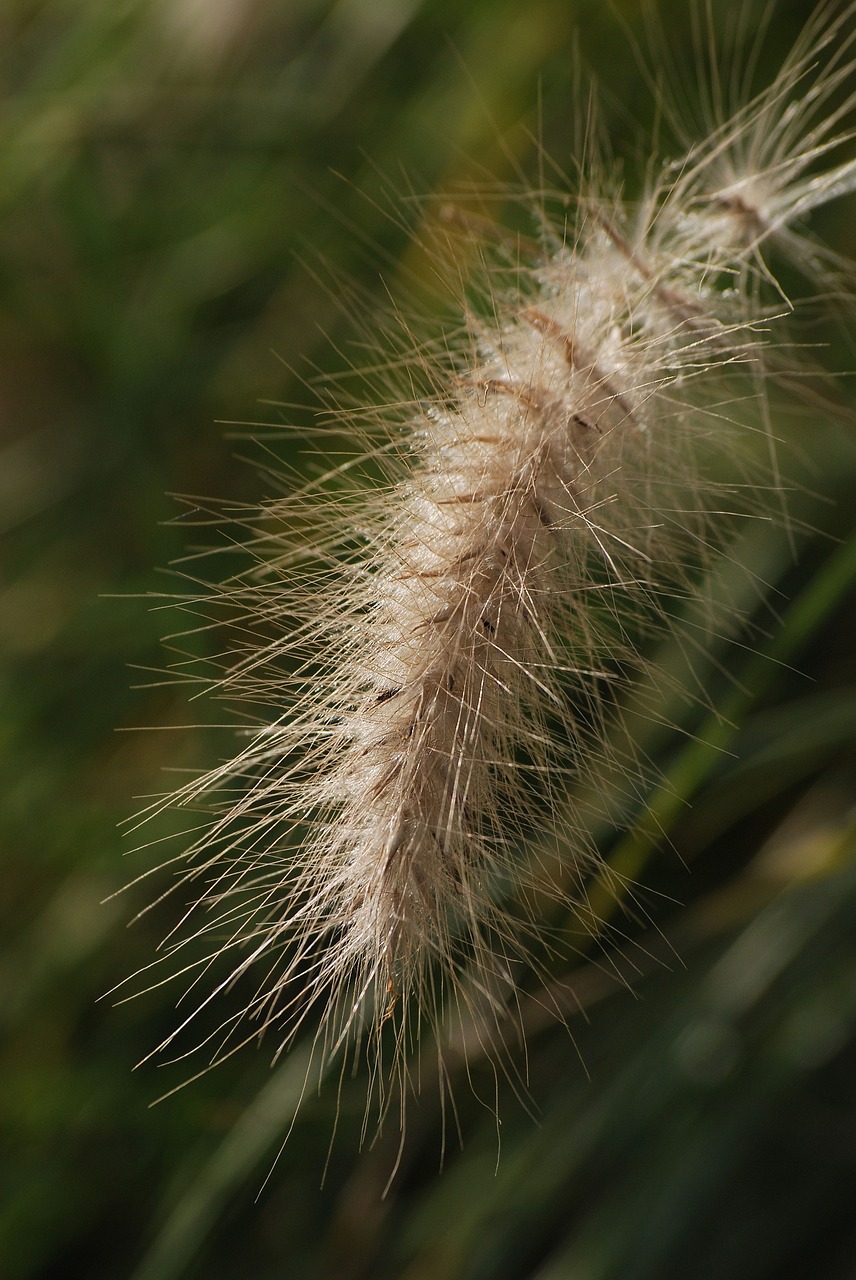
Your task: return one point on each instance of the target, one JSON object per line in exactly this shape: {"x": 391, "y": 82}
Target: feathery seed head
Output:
{"x": 451, "y": 643}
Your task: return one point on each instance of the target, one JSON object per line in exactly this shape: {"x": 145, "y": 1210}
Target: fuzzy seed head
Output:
{"x": 394, "y": 842}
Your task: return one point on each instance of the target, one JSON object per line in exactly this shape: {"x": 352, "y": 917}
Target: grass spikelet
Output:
{"x": 436, "y": 636}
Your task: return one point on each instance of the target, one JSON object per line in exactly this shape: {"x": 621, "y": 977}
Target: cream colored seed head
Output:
{"x": 450, "y": 671}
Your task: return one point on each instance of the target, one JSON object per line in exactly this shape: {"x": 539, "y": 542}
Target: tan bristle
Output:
{"x": 447, "y": 645}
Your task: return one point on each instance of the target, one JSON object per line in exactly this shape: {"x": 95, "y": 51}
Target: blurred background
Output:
{"x": 184, "y": 184}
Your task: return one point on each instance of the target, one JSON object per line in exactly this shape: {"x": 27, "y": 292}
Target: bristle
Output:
{"x": 458, "y": 635}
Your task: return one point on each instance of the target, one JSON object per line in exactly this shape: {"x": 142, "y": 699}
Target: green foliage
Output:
{"x": 171, "y": 176}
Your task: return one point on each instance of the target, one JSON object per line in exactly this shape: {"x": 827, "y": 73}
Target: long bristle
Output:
{"x": 453, "y": 638}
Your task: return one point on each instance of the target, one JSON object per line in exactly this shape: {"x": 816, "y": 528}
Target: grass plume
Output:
{"x": 436, "y": 639}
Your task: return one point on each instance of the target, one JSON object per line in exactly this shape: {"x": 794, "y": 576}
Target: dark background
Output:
{"x": 184, "y": 185}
